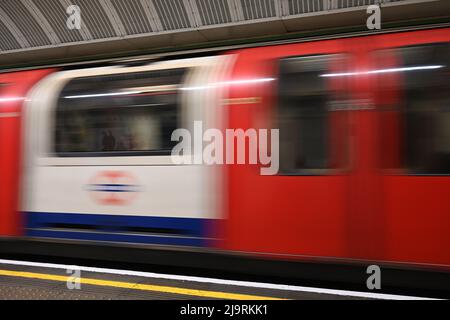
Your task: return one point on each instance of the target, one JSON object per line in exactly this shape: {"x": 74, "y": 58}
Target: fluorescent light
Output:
{"x": 344, "y": 74}
{"x": 229, "y": 83}
{"x": 246, "y": 81}
{"x": 102, "y": 95}
{"x": 347, "y": 74}
{"x": 164, "y": 88}
{"x": 11, "y": 99}
{"x": 150, "y": 89}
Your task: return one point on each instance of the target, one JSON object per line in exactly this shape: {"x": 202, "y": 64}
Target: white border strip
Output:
{"x": 218, "y": 281}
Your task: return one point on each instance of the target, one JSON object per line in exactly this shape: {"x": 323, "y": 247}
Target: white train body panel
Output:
{"x": 161, "y": 191}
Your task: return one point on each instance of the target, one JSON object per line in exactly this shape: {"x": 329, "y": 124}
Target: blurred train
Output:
{"x": 364, "y": 151}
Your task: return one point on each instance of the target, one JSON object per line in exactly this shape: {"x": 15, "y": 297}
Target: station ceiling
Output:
{"x": 38, "y": 29}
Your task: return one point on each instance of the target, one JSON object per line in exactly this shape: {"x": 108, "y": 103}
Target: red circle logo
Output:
{"x": 113, "y": 188}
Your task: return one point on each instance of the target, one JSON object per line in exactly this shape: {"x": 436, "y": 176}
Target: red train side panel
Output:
{"x": 13, "y": 89}
{"x": 280, "y": 214}
{"x": 416, "y": 207}
{"x": 361, "y": 213}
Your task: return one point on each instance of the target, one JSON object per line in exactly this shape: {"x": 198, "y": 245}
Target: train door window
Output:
{"x": 118, "y": 115}
{"x": 312, "y": 126}
{"x": 423, "y": 84}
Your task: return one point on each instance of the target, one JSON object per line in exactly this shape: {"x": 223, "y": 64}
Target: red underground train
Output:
{"x": 364, "y": 152}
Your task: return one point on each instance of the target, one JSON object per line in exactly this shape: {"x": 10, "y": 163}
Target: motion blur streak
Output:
{"x": 97, "y": 95}
{"x": 11, "y": 99}
{"x": 230, "y": 83}
{"x": 380, "y": 71}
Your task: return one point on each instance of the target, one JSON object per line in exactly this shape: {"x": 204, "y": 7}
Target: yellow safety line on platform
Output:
{"x": 136, "y": 286}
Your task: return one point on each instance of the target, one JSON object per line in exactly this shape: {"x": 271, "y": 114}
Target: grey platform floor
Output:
{"x": 21, "y": 288}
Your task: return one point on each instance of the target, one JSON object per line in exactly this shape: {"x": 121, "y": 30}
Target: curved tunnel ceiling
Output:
{"x": 34, "y": 25}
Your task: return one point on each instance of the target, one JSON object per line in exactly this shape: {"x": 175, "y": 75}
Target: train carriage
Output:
{"x": 364, "y": 151}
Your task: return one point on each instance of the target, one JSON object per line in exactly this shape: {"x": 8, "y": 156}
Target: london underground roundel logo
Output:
{"x": 113, "y": 187}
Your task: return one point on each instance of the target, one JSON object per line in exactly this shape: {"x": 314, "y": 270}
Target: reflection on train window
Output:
{"x": 312, "y": 131}
{"x": 423, "y": 84}
{"x": 131, "y": 114}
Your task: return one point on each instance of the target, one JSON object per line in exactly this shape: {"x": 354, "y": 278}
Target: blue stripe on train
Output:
{"x": 119, "y": 228}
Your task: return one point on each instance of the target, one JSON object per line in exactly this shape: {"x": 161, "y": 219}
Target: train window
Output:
{"x": 424, "y": 104}
{"x": 312, "y": 131}
{"x": 121, "y": 114}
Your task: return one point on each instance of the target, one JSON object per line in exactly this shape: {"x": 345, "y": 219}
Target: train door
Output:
{"x": 13, "y": 89}
{"x": 304, "y": 209}
{"x": 414, "y": 111}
